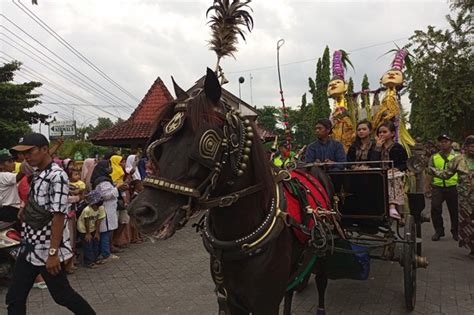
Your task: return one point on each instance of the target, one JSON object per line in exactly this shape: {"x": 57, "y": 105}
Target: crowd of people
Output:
{"x": 69, "y": 214}
{"x": 64, "y": 208}
{"x": 449, "y": 173}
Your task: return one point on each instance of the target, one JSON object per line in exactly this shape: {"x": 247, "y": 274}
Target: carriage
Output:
{"x": 361, "y": 197}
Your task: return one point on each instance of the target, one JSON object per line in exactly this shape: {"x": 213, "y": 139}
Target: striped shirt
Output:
{"x": 50, "y": 189}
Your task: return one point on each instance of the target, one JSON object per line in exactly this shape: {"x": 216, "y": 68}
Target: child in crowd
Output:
{"x": 136, "y": 187}
{"x": 76, "y": 190}
{"x": 88, "y": 228}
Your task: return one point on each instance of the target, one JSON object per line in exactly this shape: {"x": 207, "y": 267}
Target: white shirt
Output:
{"x": 9, "y": 190}
{"x": 130, "y": 165}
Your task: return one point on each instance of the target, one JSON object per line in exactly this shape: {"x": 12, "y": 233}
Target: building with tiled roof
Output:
{"x": 136, "y": 130}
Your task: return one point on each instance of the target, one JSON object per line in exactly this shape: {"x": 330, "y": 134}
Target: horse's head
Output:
{"x": 201, "y": 148}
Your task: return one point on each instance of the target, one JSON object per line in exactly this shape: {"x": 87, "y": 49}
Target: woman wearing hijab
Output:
{"x": 117, "y": 169}
{"x": 102, "y": 182}
{"x": 86, "y": 172}
{"x": 121, "y": 237}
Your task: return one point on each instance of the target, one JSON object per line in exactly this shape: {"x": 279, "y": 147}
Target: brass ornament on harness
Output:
{"x": 174, "y": 124}
{"x": 209, "y": 144}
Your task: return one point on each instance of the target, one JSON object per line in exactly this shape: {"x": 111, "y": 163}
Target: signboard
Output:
{"x": 66, "y": 129}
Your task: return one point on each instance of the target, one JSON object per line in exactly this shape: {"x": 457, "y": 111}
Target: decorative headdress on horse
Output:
{"x": 338, "y": 86}
{"x": 227, "y": 23}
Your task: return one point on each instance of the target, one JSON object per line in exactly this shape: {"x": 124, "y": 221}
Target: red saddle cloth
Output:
{"x": 294, "y": 207}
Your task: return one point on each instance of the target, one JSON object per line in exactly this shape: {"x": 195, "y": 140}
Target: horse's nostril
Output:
{"x": 145, "y": 214}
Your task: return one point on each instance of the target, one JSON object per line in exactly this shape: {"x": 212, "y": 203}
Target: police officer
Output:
{"x": 443, "y": 190}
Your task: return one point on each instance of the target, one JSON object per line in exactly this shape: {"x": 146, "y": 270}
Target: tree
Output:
{"x": 365, "y": 86}
{"x": 441, "y": 89}
{"x": 268, "y": 117}
{"x": 15, "y": 100}
{"x": 322, "y": 108}
{"x": 350, "y": 87}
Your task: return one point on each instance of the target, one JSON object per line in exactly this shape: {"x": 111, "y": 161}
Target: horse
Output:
{"x": 205, "y": 155}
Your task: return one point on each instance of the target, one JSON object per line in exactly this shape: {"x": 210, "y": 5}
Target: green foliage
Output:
{"x": 441, "y": 89}
{"x": 350, "y": 87}
{"x": 319, "y": 107}
{"x": 268, "y": 117}
{"x": 365, "y": 86}
{"x": 15, "y": 99}
{"x": 70, "y": 146}
{"x": 102, "y": 124}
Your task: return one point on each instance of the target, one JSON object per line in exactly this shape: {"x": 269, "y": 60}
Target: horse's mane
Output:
{"x": 202, "y": 112}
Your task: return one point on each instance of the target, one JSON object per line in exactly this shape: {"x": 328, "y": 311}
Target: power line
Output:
{"x": 70, "y": 94}
{"x": 66, "y": 44}
{"x": 49, "y": 97}
{"x": 77, "y": 104}
{"x": 62, "y": 59}
{"x": 41, "y": 77}
{"x": 55, "y": 65}
{"x": 313, "y": 59}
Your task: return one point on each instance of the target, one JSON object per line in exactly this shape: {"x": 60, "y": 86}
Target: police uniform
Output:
{"x": 443, "y": 190}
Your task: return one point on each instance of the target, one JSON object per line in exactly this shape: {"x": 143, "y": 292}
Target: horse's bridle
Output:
{"x": 229, "y": 143}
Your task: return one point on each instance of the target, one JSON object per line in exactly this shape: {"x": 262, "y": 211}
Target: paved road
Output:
{"x": 172, "y": 277}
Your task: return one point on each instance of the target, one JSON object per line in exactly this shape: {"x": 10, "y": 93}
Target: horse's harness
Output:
{"x": 214, "y": 149}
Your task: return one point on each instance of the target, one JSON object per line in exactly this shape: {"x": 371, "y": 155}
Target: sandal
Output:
{"x": 40, "y": 285}
{"x": 92, "y": 266}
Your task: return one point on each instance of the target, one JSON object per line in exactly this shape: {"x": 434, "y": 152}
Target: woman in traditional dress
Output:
{"x": 392, "y": 151}
{"x": 463, "y": 165}
{"x": 363, "y": 148}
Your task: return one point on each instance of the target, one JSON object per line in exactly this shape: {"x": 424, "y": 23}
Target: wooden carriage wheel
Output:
{"x": 409, "y": 262}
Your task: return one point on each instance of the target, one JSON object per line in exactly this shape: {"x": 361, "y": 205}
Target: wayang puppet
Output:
{"x": 342, "y": 116}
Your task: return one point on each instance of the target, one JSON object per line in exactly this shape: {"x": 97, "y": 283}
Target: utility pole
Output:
{"x": 251, "y": 94}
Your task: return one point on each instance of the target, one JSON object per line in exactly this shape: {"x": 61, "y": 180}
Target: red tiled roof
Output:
{"x": 140, "y": 123}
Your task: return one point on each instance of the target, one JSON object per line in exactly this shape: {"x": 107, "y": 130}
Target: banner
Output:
{"x": 66, "y": 129}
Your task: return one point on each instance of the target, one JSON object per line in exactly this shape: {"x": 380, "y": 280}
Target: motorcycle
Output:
{"x": 9, "y": 248}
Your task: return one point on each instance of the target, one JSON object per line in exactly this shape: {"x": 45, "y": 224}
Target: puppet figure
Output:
{"x": 390, "y": 106}
{"x": 342, "y": 116}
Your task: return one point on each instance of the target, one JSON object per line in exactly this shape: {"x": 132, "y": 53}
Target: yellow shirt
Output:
{"x": 17, "y": 167}
{"x": 92, "y": 215}
{"x": 79, "y": 184}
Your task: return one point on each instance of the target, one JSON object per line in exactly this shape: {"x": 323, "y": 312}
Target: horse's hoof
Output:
{"x": 320, "y": 311}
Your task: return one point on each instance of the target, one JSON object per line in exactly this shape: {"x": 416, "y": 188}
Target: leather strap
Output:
{"x": 230, "y": 199}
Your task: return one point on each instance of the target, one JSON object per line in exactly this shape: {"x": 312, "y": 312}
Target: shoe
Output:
{"x": 456, "y": 237}
{"x": 40, "y": 285}
{"x": 116, "y": 250}
{"x": 92, "y": 266}
{"x": 394, "y": 214}
{"x": 437, "y": 236}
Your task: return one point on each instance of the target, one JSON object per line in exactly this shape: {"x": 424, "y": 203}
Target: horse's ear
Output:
{"x": 178, "y": 91}
{"x": 212, "y": 87}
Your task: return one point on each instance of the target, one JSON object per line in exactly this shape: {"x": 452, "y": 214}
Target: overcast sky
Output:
{"x": 135, "y": 41}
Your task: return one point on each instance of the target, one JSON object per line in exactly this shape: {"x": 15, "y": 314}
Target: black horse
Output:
{"x": 207, "y": 156}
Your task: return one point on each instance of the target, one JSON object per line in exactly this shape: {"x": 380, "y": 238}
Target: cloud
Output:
{"x": 135, "y": 41}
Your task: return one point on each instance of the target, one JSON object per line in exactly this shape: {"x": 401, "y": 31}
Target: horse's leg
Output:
{"x": 287, "y": 303}
{"x": 235, "y": 310}
{"x": 321, "y": 283}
